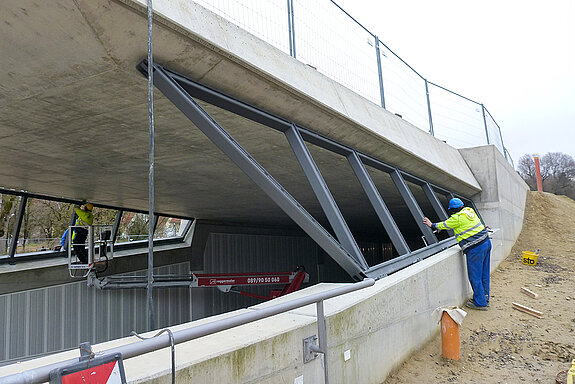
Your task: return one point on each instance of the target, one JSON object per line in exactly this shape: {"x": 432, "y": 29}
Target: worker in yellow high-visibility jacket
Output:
{"x": 84, "y": 217}
{"x": 473, "y": 239}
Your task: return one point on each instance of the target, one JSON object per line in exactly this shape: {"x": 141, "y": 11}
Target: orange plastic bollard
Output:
{"x": 538, "y": 174}
{"x": 450, "y": 344}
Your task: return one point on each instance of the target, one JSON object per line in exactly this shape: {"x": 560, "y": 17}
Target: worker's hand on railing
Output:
{"x": 427, "y": 222}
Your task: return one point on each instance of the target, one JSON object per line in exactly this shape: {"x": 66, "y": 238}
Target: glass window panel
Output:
{"x": 170, "y": 227}
{"x": 133, "y": 227}
{"x": 43, "y": 224}
{"x": 8, "y": 211}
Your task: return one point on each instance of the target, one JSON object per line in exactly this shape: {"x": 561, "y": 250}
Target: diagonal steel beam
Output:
{"x": 378, "y": 204}
{"x": 435, "y": 203}
{"x": 324, "y": 195}
{"x": 225, "y": 142}
{"x": 412, "y": 205}
{"x": 400, "y": 262}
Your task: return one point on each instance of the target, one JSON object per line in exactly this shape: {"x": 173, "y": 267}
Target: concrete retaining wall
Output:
{"x": 502, "y": 200}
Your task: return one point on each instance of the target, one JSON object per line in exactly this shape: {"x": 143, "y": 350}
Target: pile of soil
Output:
{"x": 504, "y": 345}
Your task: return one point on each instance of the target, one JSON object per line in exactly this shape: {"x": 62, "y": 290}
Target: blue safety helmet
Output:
{"x": 455, "y": 203}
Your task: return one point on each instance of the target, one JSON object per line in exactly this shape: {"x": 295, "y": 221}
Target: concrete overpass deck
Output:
{"x": 75, "y": 113}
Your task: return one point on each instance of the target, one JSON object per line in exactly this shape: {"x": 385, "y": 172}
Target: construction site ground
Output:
{"x": 502, "y": 344}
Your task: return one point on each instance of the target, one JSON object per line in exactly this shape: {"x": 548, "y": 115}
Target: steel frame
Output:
{"x": 182, "y": 91}
{"x": 255, "y": 171}
{"x": 378, "y": 204}
{"x": 324, "y": 195}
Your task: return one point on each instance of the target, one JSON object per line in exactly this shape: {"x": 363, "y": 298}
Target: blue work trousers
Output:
{"x": 478, "y": 268}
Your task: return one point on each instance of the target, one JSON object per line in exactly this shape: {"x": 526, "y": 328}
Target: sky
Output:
{"x": 515, "y": 57}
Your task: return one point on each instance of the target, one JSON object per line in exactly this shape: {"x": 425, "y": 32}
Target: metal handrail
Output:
{"x": 42, "y": 374}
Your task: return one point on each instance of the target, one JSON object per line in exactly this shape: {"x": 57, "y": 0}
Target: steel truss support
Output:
{"x": 385, "y": 268}
{"x": 412, "y": 206}
{"x": 437, "y": 207}
{"x": 436, "y": 204}
{"x": 378, "y": 204}
{"x": 324, "y": 195}
{"x": 181, "y": 91}
{"x": 235, "y": 152}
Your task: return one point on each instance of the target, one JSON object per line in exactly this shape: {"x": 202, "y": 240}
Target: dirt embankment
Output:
{"x": 503, "y": 345}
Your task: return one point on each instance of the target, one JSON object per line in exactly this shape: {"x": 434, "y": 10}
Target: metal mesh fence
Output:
{"x": 493, "y": 132}
{"x": 265, "y": 19}
{"x": 324, "y": 36}
{"x": 404, "y": 90}
{"x": 336, "y": 47}
{"x": 456, "y": 120}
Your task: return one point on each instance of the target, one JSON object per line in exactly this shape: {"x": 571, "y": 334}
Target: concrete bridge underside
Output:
{"x": 75, "y": 120}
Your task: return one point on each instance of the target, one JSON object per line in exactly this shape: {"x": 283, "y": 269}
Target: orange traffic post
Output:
{"x": 538, "y": 174}
{"x": 450, "y": 343}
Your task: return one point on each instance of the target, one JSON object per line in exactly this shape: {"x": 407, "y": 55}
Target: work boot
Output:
{"x": 471, "y": 304}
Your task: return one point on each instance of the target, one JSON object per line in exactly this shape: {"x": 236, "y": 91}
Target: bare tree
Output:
{"x": 526, "y": 169}
{"x": 557, "y": 173}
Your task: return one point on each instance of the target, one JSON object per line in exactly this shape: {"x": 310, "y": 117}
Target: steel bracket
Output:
{"x": 310, "y": 348}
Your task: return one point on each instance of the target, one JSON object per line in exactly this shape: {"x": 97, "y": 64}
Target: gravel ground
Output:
{"x": 504, "y": 345}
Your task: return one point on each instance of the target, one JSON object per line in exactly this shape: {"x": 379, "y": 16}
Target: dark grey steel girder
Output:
{"x": 435, "y": 203}
{"x": 378, "y": 204}
{"x": 412, "y": 205}
{"x": 393, "y": 265}
{"x": 192, "y": 89}
{"x": 324, "y": 195}
{"x": 225, "y": 142}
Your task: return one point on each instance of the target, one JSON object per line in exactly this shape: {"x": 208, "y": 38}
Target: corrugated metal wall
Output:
{"x": 61, "y": 317}
{"x": 252, "y": 253}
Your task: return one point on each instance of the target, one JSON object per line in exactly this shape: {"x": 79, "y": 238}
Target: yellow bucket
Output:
{"x": 530, "y": 258}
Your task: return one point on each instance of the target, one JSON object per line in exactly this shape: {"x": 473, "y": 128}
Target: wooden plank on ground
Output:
{"x": 529, "y": 311}
{"x": 529, "y": 292}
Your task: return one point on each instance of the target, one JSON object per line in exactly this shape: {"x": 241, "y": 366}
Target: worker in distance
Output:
{"x": 85, "y": 217}
{"x": 473, "y": 239}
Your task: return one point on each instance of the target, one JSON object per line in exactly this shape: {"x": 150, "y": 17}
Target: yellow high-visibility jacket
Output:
{"x": 84, "y": 217}
{"x": 468, "y": 229}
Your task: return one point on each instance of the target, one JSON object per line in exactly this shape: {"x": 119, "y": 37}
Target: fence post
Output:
{"x": 429, "y": 109}
{"x": 291, "y": 28}
{"x": 379, "y": 72}
{"x": 485, "y": 124}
